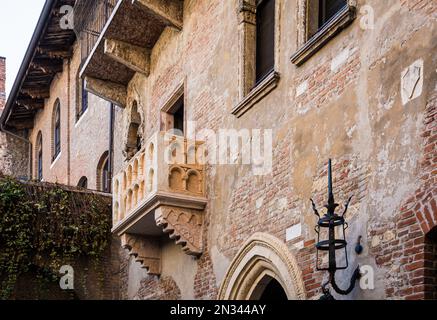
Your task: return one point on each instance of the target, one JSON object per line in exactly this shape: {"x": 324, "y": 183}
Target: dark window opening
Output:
{"x": 273, "y": 292}
{"x": 57, "y": 132}
{"x": 40, "y": 166}
{"x": 139, "y": 144}
{"x": 39, "y": 175}
{"x": 265, "y": 39}
{"x": 84, "y": 104}
{"x": 179, "y": 116}
{"x": 106, "y": 181}
{"x": 328, "y": 9}
{"x": 83, "y": 183}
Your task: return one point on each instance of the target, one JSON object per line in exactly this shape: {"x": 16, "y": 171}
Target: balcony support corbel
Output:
{"x": 183, "y": 225}
{"x": 134, "y": 57}
{"x": 146, "y": 250}
{"x": 170, "y": 11}
{"x": 113, "y": 92}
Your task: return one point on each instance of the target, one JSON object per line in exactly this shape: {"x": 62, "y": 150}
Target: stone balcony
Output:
{"x": 160, "y": 192}
{"x": 124, "y": 46}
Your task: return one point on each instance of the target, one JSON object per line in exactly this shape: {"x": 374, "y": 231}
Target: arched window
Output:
{"x": 103, "y": 174}
{"x": 56, "y": 130}
{"x": 83, "y": 183}
{"x": 39, "y": 157}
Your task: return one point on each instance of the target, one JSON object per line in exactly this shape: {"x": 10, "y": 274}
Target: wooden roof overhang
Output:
{"x": 49, "y": 46}
{"x": 125, "y": 43}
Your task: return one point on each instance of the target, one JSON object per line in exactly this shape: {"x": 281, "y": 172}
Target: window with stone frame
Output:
{"x": 258, "y": 51}
{"x": 173, "y": 113}
{"x": 318, "y": 22}
{"x": 265, "y": 39}
{"x": 56, "y": 130}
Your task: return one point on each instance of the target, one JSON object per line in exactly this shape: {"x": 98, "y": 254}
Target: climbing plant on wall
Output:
{"x": 46, "y": 226}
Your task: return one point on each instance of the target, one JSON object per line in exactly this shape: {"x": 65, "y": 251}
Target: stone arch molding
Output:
{"x": 263, "y": 255}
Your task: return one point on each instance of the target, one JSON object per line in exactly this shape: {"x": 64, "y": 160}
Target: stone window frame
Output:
{"x": 310, "y": 45}
{"x": 175, "y": 96}
{"x": 250, "y": 95}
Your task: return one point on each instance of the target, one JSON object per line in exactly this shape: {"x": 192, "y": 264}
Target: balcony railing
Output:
{"x": 90, "y": 18}
{"x": 168, "y": 166}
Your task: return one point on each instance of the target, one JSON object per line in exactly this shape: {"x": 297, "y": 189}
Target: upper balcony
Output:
{"x": 124, "y": 45}
{"x": 90, "y": 17}
{"x": 161, "y": 191}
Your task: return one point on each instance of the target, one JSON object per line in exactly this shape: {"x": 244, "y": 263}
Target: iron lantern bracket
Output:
{"x": 330, "y": 221}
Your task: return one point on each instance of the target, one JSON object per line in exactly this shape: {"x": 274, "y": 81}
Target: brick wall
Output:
{"x": 409, "y": 247}
{"x": 344, "y": 103}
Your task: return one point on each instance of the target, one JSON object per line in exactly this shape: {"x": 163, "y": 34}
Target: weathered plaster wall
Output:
{"x": 344, "y": 103}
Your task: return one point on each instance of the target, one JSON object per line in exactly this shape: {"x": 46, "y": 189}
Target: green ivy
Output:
{"x": 46, "y": 227}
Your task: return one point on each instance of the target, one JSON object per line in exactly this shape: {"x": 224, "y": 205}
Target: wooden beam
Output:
{"x": 52, "y": 52}
{"x": 21, "y": 124}
{"x": 170, "y": 11}
{"x": 134, "y": 57}
{"x": 48, "y": 66}
{"x": 107, "y": 90}
{"x": 31, "y": 104}
{"x": 37, "y": 93}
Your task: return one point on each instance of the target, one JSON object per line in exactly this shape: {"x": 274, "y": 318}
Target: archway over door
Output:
{"x": 263, "y": 266}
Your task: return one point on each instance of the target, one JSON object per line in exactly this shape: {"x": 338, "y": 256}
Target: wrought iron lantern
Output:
{"x": 334, "y": 226}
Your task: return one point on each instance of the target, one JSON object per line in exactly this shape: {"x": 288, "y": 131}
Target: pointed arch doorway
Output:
{"x": 264, "y": 269}
{"x": 269, "y": 289}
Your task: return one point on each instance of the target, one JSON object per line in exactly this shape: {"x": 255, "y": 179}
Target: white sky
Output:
{"x": 18, "y": 19}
